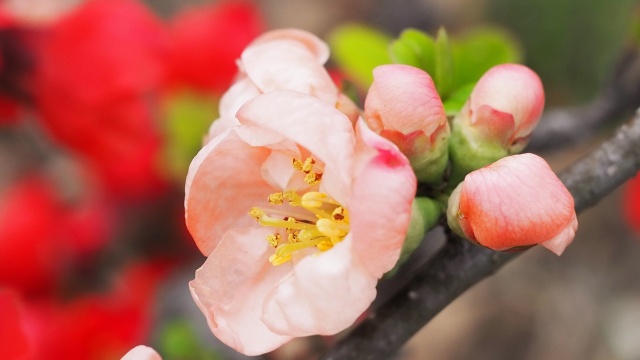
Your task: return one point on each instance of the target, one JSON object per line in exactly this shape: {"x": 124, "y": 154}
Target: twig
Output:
{"x": 460, "y": 264}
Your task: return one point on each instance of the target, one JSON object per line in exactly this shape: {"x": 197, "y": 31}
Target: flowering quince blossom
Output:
{"x": 516, "y": 202}
{"x": 403, "y": 106}
{"x": 287, "y": 59}
{"x": 299, "y": 211}
{"x": 141, "y": 352}
{"x": 497, "y": 120}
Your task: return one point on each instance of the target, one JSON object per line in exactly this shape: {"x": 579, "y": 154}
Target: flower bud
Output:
{"x": 403, "y": 106}
{"x": 515, "y": 202}
{"x": 498, "y": 118}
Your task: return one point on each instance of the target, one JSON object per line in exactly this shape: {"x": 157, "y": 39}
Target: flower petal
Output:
{"x": 288, "y": 65}
{"x": 403, "y": 98}
{"x": 215, "y": 201}
{"x": 517, "y": 201}
{"x": 141, "y": 352}
{"x": 317, "y": 47}
{"x": 513, "y": 89}
{"x": 325, "y": 294}
{"x": 231, "y": 287}
{"x": 380, "y": 218}
{"x": 319, "y": 127}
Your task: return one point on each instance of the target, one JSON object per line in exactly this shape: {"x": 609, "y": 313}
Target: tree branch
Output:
{"x": 460, "y": 264}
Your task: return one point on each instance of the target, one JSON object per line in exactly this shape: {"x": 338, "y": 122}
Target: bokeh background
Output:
{"x": 93, "y": 248}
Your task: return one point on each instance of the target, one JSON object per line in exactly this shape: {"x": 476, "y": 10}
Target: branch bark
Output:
{"x": 460, "y": 264}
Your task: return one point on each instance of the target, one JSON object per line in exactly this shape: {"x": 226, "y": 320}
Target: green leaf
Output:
{"x": 444, "y": 64}
{"x": 358, "y": 49}
{"x": 457, "y": 99}
{"x": 481, "y": 49}
{"x": 179, "y": 341}
{"x": 414, "y": 48}
{"x": 187, "y": 117}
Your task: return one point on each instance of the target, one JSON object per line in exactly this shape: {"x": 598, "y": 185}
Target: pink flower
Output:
{"x": 504, "y": 107}
{"x": 517, "y": 201}
{"x": 287, "y": 59}
{"x": 403, "y": 106}
{"x": 141, "y": 352}
{"x": 299, "y": 215}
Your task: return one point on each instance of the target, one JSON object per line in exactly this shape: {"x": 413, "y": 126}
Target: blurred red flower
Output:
{"x": 94, "y": 83}
{"x": 94, "y": 326}
{"x": 207, "y": 40}
{"x": 41, "y": 235}
{"x": 631, "y": 203}
{"x": 14, "y": 343}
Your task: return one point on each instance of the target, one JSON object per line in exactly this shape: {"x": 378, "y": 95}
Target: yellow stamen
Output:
{"x": 313, "y": 221}
{"x": 308, "y": 165}
{"x": 297, "y": 164}
{"x": 331, "y": 228}
{"x": 256, "y": 213}
{"x": 276, "y": 198}
{"x": 315, "y": 199}
{"x": 313, "y": 178}
{"x": 265, "y": 220}
{"x": 338, "y": 214}
{"x": 324, "y": 245}
{"x": 274, "y": 239}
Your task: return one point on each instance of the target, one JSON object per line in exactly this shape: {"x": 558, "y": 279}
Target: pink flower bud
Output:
{"x": 505, "y": 106}
{"x": 403, "y": 106}
{"x": 514, "y": 202}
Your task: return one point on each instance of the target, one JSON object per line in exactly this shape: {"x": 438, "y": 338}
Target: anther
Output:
{"x": 313, "y": 178}
{"x": 338, "y": 214}
{"x": 297, "y": 164}
{"x": 308, "y": 165}
{"x": 256, "y": 213}
{"x": 276, "y": 198}
{"x": 274, "y": 239}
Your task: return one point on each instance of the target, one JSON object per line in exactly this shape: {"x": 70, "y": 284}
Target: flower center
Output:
{"x": 312, "y": 219}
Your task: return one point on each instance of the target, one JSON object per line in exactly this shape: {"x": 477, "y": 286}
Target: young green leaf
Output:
{"x": 358, "y": 49}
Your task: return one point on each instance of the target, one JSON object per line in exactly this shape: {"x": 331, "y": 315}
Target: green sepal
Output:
{"x": 425, "y": 213}
{"x": 469, "y": 152}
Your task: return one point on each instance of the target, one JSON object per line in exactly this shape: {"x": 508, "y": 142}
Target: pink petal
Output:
{"x": 239, "y": 93}
{"x": 517, "y": 201}
{"x": 403, "y": 98}
{"x": 215, "y": 201}
{"x": 379, "y": 219}
{"x": 288, "y": 65}
{"x": 141, "y": 352}
{"x": 513, "y": 89}
{"x": 313, "y": 44}
{"x": 325, "y": 294}
{"x": 563, "y": 239}
{"x": 230, "y": 289}
{"x": 314, "y": 124}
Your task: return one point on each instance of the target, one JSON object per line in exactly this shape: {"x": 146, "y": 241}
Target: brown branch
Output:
{"x": 460, "y": 265}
